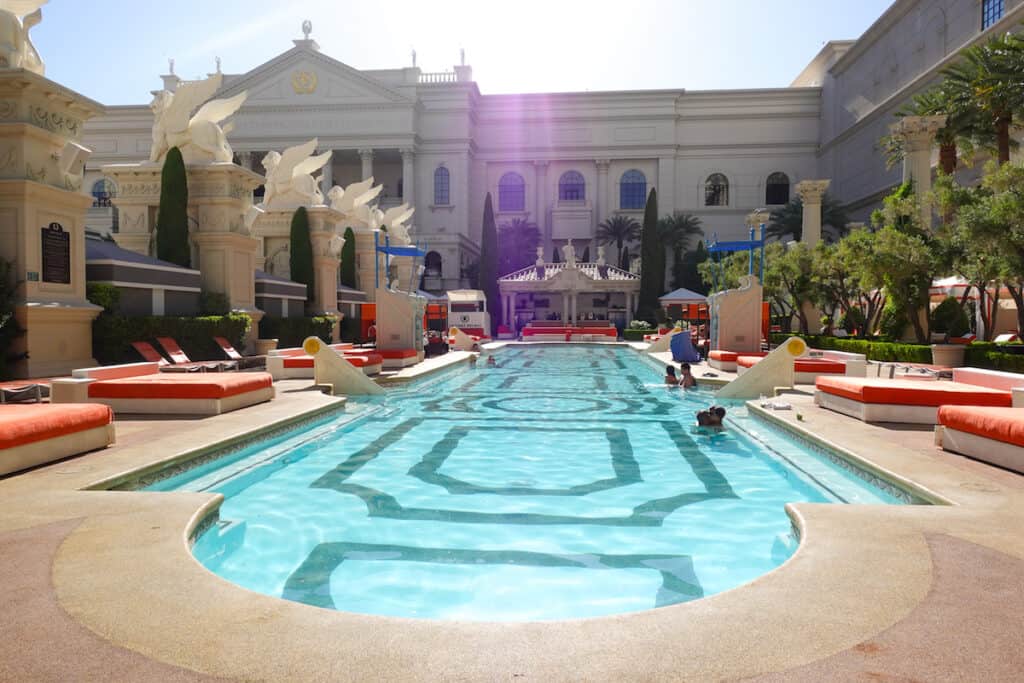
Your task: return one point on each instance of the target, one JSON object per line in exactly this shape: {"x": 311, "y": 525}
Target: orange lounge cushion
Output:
{"x": 397, "y": 353}
{"x": 723, "y": 356}
{"x": 24, "y": 424}
{"x": 474, "y": 332}
{"x": 1000, "y": 424}
{"x": 820, "y": 365}
{"x": 195, "y": 386}
{"x": 906, "y": 392}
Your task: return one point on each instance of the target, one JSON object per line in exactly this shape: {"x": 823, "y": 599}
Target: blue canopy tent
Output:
{"x": 389, "y": 251}
{"x": 752, "y": 245}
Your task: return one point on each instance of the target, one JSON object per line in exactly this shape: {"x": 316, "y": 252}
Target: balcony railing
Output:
{"x": 439, "y": 77}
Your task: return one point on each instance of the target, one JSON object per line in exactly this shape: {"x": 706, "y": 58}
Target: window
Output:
{"x": 991, "y": 12}
{"x": 511, "y": 193}
{"x": 571, "y": 186}
{"x": 716, "y": 190}
{"x": 776, "y": 190}
{"x": 442, "y": 185}
{"x": 102, "y": 192}
{"x": 632, "y": 190}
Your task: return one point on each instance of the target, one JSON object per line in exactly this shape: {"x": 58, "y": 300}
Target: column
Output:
{"x": 666, "y": 185}
{"x": 245, "y": 160}
{"x": 541, "y": 201}
{"x": 327, "y": 177}
{"x": 603, "y": 204}
{"x": 408, "y": 177}
{"x": 810, "y": 192}
{"x": 574, "y": 301}
{"x": 918, "y": 135}
{"x": 629, "y": 308}
{"x": 565, "y": 309}
{"x": 366, "y": 156}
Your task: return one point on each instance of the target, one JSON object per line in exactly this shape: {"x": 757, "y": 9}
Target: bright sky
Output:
{"x": 114, "y": 50}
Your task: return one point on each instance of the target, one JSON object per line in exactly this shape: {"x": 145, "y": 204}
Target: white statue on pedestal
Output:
{"x": 347, "y": 200}
{"x": 600, "y": 256}
{"x": 290, "y": 180}
{"x": 540, "y": 256}
{"x": 569, "y": 252}
{"x": 394, "y": 220}
{"x": 200, "y": 138}
{"x": 17, "y": 17}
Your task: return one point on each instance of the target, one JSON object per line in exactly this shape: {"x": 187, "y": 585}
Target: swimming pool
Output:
{"x": 567, "y": 482}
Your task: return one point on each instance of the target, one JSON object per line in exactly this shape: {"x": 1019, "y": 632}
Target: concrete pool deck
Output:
{"x": 102, "y": 585}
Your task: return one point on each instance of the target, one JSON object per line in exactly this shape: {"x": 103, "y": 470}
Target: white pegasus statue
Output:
{"x": 290, "y": 181}
{"x": 17, "y": 17}
{"x": 351, "y": 198}
{"x": 200, "y": 138}
{"x": 394, "y": 220}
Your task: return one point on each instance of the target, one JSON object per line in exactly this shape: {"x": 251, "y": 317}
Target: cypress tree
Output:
{"x": 348, "y": 260}
{"x": 301, "y": 254}
{"x": 624, "y": 259}
{"x": 652, "y": 259}
{"x": 172, "y": 216}
{"x": 489, "y": 264}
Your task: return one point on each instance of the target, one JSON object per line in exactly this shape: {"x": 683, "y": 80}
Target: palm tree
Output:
{"x": 517, "y": 245}
{"x": 989, "y": 78}
{"x": 789, "y": 220}
{"x": 619, "y": 230}
{"x": 677, "y": 232}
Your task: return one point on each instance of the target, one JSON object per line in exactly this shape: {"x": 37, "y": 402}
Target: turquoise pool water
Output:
{"x": 567, "y": 482}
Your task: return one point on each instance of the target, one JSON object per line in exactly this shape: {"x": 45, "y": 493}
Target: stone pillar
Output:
{"x": 245, "y": 160}
{"x": 604, "y": 197}
{"x": 327, "y": 177}
{"x": 366, "y": 156}
{"x": 666, "y": 185}
{"x": 918, "y": 136}
{"x": 811, "y": 192}
{"x": 565, "y": 308}
{"x": 574, "y": 302}
{"x": 541, "y": 201}
{"x": 42, "y": 229}
{"x": 408, "y": 177}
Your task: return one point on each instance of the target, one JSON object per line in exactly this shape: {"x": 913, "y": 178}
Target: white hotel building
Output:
{"x": 568, "y": 161}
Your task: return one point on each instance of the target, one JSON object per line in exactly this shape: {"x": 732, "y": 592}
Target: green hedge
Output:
{"x": 112, "y": 335}
{"x": 979, "y": 354}
{"x": 291, "y": 332}
{"x": 636, "y": 335}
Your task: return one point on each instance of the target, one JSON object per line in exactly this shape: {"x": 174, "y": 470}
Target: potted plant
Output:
{"x": 949, "y": 320}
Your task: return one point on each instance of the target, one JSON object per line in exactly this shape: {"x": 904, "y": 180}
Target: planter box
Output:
{"x": 948, "y": 355}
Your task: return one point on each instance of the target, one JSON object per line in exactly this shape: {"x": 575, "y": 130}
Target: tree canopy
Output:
{"x": 172, "y": 215}
{"x": 488, "y": 274}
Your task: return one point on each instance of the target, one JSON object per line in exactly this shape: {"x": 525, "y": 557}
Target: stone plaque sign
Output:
{"x": 56, "y": 254}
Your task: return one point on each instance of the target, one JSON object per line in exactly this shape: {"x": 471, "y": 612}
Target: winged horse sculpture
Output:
{"x": 17, "y": 17}
{"x": 200, "y": 137}
{"x": 351, "y": 198}
{"x": 290, "y": 179}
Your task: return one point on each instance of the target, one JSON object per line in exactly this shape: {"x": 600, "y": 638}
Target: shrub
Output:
{"x": 10, "y": 329}
{"x": 949, "y": 319}
{"x": 113, "y": 334}
{"x": 350, "y": 329}
{"x": 291, "y": 332}
{"x": 873, "y": 350}
{"x": 348, "y": 260}
{"x": 852, "y": 319}
{"x": 213, "y": 303}
{"x": 634, "y": 334}
{"x": 107, "y": 296}
{"x": 301, "y": 252}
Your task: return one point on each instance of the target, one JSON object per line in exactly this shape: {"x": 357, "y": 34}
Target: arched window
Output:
{"x": 716, "y": 190}
{"x": 511, "y": 192}
{"x": 991, "y": 12}
{"x": 776, "y": 190}
{"x": 432, "y": 264}
{"x": 571, "y": 186}
{"x": 442, "y": 186}
{"x": 103, "y": 190}
{"x": 632, "y": 190}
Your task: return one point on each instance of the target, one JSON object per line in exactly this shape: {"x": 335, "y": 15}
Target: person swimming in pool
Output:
{"x": 717, "y": 415}
{"x": 492, "y": 362}
{"x": 670, "y": 376}
{"x": 686, "y": 380}
{"x": 472, "y": 360}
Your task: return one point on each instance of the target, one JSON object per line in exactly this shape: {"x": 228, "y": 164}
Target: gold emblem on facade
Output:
{"x": 304, "y": 82}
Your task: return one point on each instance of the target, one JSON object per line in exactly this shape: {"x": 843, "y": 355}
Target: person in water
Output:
{"x": 670, "y": 376}
{"x": 704, "y": 418}
{"x": 687, "y": 380}
{"x": 472, "y": 360}
{"x": 717, "y": 415}
{"x": 492, "y": 362}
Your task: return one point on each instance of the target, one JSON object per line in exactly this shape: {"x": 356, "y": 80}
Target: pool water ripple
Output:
{"x": 566, "y": 482}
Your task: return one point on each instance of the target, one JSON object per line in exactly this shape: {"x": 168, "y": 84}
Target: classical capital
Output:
{"x": 602, "y": 165}
{"x": 366, "y": 153}
{"x": 917, "y": 132}
{"x": 758, "y": 218}
{"x": 407, "y": 153}
{"x": 811, "y": 191}
{"x": 541, "y": 165}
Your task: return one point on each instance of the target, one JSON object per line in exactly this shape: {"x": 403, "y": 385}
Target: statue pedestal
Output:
{"x": 42, "y": 222}
{"x": 219, "y": 195}
{"x": 273, "y": 227}
{"x": 365, "y": 254}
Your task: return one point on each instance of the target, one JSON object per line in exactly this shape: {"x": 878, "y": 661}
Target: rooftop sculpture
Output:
{"x": 200, "y": 138}
{"x": 17, "y": 17}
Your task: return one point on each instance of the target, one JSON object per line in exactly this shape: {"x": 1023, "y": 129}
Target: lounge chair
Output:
{"x": 33, "y": 435}
{"x": 140, "y": 388}
{"x": 234, "y": 355}
{"x": 178, "y": 356}
{"x": 295, "y": 363}
{"x": 19, "y": 393}
{"x": 915, "y": 401}
{"x": 993, "y": 435}
{"x": 151, "y": 355}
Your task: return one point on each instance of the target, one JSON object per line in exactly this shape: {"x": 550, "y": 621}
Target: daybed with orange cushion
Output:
{"x": 902, "y": 400}
{"x": 806, "y": 369}
{"x": 726, "y": 360}
{"x": 398, "y": 358}
{"x": 33, "y": 435}
{"x": 141, "y": 388}
{"x": 297, "y": 364}
{"x": 993, "y": 435}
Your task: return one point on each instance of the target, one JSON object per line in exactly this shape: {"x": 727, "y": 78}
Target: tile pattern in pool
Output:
{"x": 567, "y": 482}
